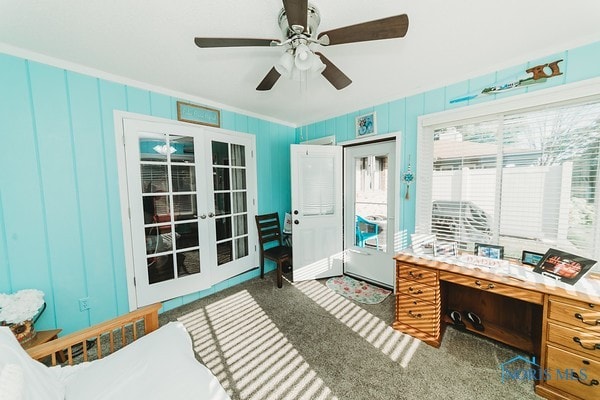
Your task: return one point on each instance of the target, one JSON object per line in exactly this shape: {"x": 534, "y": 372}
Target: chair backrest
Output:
{"x": 269, "y": 229}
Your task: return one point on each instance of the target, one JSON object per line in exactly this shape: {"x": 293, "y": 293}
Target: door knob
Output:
{"x": 296, "y": 222}
{"x": 211, "y": 214}
{"x": 203, "y": 216}
{"x": 295, "y": 212}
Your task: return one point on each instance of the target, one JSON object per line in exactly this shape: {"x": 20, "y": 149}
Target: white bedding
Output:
{"x": 160, "y": 365}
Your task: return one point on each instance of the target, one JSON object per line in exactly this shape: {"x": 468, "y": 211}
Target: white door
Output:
{"x": 191, "y": 194}
{"x": 369, "y": 211}
{"x": 316, "y": 211}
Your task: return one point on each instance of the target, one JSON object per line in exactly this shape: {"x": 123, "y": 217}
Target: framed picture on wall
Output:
{"x": 365, "y": 125}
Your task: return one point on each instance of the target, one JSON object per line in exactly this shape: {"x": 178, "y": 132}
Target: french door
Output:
{"x": 192, "y": 197}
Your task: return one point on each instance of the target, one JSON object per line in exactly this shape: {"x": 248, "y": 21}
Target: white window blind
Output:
{"x": 525, "y": 180}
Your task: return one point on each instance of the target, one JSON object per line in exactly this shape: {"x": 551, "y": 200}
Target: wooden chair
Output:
{"x": 269, "y": 230}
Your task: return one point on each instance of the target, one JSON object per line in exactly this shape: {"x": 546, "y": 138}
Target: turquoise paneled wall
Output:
{"x": 402, "y": 115}
{"x": 60, "y": 222}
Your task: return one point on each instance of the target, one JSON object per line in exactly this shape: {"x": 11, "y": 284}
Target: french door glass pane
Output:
{"x": 238, "y": 155}
{"x": 220, "y": 153}
{"x": 240, "y": 224}
{"x": 239, "y": 178}
{"x": 222, "y": 204}
{"x": 221, "y": 178}
{"x": 239, "y": 202}
{"x": 241, "y": 247}
{"x": 184, "y": 206}
{"x": 182, "y": 149}
{"x": 224, "y": 253}
{"x": 154, "y": 178}
{"x": 183, "y": 178}
{"x": 223, "y": 226}
{"x": 188, "y": 262}
{"x": 186, "y": 235}
{"x": 160, "y": 268}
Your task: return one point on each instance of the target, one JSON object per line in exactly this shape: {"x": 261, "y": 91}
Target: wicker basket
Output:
{"x": 24, "y": 331}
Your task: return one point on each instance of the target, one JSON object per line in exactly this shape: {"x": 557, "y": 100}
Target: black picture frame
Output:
{"x": 489, "y": 250}
{"x": 531, "y": 258}
{"x": 564, "y": 267}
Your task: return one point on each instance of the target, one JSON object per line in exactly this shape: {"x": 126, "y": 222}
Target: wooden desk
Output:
{"x": 557, "y": 323}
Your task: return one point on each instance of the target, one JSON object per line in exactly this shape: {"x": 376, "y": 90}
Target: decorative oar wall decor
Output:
{"x": 540, "y": 73}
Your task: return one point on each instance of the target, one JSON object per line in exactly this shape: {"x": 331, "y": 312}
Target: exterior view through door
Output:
{"x": 369, "y": 211}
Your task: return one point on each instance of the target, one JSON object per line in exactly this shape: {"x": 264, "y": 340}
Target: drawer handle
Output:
{"x": 489, "y": 286}
{"x": 410, "y": 289}
{"x": 594, "y": 347}
{"x": 414, "y": 315}
{"x": 593, "y": 382}
{"x": 580, "y": 317}
{"x": 417, "y": 276}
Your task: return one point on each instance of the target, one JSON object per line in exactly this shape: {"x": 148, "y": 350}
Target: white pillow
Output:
{"x": 12, "y": 383}
{"x": 40, "y": 382}
{"x": 160, "y": 365}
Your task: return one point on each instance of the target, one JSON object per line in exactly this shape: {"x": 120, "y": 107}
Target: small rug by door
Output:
{"x": 359, "y": 291}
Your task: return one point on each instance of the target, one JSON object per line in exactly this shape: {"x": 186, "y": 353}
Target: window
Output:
{"x": 523, "y": 179}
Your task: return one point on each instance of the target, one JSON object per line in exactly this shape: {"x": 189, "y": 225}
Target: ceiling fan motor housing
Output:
{"x": 313, "y": 21}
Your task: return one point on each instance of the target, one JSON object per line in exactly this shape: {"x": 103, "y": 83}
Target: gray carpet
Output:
{"x": 306, "y": 342}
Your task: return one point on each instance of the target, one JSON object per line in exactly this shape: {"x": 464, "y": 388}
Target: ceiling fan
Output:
{"x": 299, "y": 21}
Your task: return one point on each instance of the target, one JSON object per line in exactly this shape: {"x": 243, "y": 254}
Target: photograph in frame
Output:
{"x": 422, "y": 244}
{"x": 564, "y": 267}
{"x": 489, "y": 251}
{"x": 445, "y": 249}
{"x": 531, "y": 258}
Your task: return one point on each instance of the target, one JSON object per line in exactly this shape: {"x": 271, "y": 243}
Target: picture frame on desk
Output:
{"x": 564, "y": 267}
{"x": 489, "y": 251}
{"x": 531, "y": 258}
{"x": 422, "y": 244}
{"x": 445, "y": 249}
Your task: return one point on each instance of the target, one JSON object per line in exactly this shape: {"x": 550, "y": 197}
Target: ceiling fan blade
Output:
{"x": 333, "y": 74}
{"x": 296, "y": 12}
{"x": 385, "y": 28}
{"x": 269, "y": 80}
{"x": 232, "y": 42}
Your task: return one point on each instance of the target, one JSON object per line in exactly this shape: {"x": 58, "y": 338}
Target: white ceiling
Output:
{"x": 151, "y": 41}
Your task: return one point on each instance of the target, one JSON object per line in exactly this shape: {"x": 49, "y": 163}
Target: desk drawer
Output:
{"x": 419, "y": 314}
{"x": 421, "y": 275}
{"x": 585, "y": 342}
{"x": 576, "y": 316}
{"x": 494, "y": 287}
{"x": 418, "y": 290}
{"x": 561, "y": 364}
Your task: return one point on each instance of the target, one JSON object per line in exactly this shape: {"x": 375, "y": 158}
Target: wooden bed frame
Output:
{"x": 120, "y": 325}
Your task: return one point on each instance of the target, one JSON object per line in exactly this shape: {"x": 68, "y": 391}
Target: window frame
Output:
{"x": 573, "y": 93}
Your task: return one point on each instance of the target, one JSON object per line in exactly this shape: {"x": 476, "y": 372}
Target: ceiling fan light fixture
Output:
{"x": 304, "y": 57}
{"x": 285, "y": 65}
{"x": 317, "y": 65}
